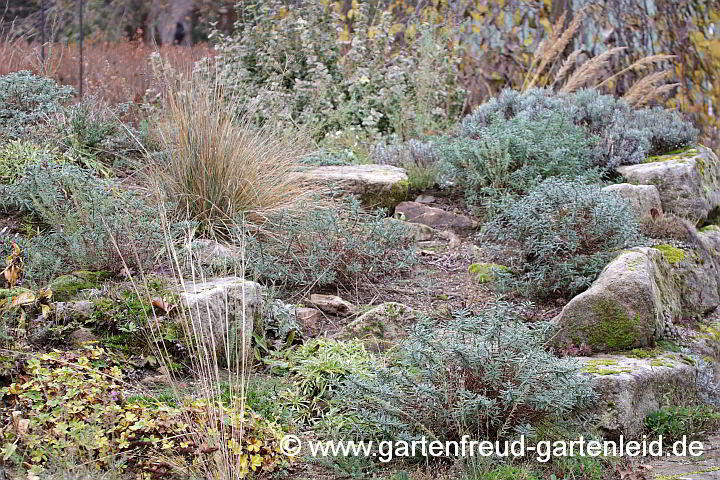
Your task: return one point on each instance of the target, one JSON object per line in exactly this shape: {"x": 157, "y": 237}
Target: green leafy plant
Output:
{"x": 329, "y": 246}
{"x": 316, "y": 369}
{"x": 488, "y": 375}
{"x": 674, "y": 422}
{"x": 565, "y": 233}
{"x": 79, "y": 409}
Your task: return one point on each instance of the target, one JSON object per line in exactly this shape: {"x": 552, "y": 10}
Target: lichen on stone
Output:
{"x": 672, "y": 254}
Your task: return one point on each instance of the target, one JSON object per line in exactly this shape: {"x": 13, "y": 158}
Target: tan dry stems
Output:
{"x": 205, "y": 358}
{"x": 219, "y": 166}
{"x": 596, "y": 72}
{"x": 115, "y": 72}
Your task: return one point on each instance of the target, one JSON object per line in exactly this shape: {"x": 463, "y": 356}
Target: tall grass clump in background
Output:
{"x": 219, "y": 167}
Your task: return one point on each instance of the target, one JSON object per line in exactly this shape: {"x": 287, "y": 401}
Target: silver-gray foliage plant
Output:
{"x": 488, "y": 375}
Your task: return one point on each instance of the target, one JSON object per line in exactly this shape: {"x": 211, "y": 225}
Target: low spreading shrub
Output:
{"x": 87, "y": 223}
{"x": 626, "y": 135}
{"x": 565, "y": 233}
{"x": 26, "y": 101}
{"x": 72, "y": 405}
{"x": 340, "y": 246}
{"x": 489, "y": 376}
{"x": 508, "y": 156}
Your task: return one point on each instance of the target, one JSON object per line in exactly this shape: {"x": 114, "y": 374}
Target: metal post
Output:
{"x": 80, "y": 42}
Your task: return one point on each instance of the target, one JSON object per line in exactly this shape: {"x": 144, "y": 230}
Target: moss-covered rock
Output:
{"x": 630, "y": 388}
{"x": 65, "y": 287}
{"x": 688, "y": 182}
{"x": 380, "y": 327}
{"x": 626, "y": 307}
{"x": 486, "y": 272}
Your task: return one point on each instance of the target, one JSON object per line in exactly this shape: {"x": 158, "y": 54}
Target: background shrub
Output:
{"x": 340, "y": 246}
{"x": 487, "y": 375}
{"x": 82, "y": 220}
{"x": 625, "y": 135}
{"x": 304, "y": 67}
{"x": 565, "y": 232}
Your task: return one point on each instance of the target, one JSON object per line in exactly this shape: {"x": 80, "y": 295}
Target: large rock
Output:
{"x": 628, "y": 306}
{"x": 631, "y": 388}
{"x": 696, "y": 274}
{"x": 376, "y": 185}
{"x": 434, "y": 217}
{"x": 223, "y": 312}
{"x": 688, "y": 183}
{"x": 644, "y": 199}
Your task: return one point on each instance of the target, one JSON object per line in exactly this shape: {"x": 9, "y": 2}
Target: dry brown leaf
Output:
{"x": 166, "y": 307}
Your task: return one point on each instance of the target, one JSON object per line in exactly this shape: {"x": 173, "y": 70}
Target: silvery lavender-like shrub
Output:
{"x": 488, "y": 375}
{"x": 566, "y": 232}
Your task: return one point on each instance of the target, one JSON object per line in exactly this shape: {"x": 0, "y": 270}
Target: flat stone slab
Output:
{"x": 705, "y": 467}
{"x": 375, "y": 185}
{"x": 437, "y": 218}
{"x": 631, "y": 388}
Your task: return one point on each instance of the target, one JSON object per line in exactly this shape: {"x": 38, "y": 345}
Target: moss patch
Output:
{"x": 486, "y": 272}
{"x": 678, "y": 154}
{"x": 672, "y": 254}
{"x": 615, "y": 330}
{"x": 67, "y": 286}
{"x": 388, "y": 198}
{"x": 599, "y": 367}
{"x": 710, "y": 228}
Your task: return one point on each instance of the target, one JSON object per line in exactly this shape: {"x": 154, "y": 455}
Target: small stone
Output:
{"x": 309, "y": 317}
{"x": 79, "y": 310}
{"x": 486, "y": 272}
{"x": 332, "y": 304}
{"x": 434, "y": 217}
{"x": 425, "y": 199}
{"x": 82, "y": 336}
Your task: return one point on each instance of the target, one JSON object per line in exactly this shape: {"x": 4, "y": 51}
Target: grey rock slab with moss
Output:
{"x": 627, "y": 306}
{"x": 376, "y": 185}
{"x": 631, "y": 388}
{"x": 644, "y": 199}
{"x": 221, "y": 309}
{"x": 688, "y": 182}
{"x": 437, "y": 218}
{"x": 380, "y": 327}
